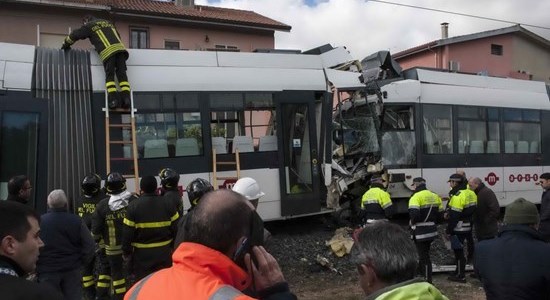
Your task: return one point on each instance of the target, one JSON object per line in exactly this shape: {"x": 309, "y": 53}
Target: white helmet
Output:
{"x": 249, "y": 188}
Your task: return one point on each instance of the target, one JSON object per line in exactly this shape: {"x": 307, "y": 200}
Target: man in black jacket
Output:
{"x": 85, "y": 207}
{"x": 487, "y": 212}
{"x": 19, "y": 248}
{"x": 516, "y": 264}
{"x": 19, "y": 189}
{"x": 150, "y": 227}
{"x": 68, "y": 247}
{"x": 106, "y": 40}
{"x": 545, "y": 207}
{"x": 107, "y": 223}
{"x": 169, "y": 180}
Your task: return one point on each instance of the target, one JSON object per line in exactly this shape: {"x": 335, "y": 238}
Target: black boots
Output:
{"x": 125, "y": 99}
{"x": 113, "y": 100}
{"x": 119, "y": 100}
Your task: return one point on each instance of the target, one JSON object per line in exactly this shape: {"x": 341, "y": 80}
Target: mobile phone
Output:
{"x": 243, "y": 248}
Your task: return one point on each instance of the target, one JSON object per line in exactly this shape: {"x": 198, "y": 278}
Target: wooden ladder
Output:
{"x": 216, "y": 163}
{"x": 121, "y": 127}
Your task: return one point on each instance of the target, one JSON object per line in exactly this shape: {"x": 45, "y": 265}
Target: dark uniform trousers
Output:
{"x": 116, "y": 64}
{"x": 424, "y": 260}
{"x": 458, "y": 249}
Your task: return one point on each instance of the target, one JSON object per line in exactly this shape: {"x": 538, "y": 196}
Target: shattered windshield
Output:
{"x": 356, "y": 129}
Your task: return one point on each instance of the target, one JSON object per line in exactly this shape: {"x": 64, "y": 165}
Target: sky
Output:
{"x": 365, "y": 27}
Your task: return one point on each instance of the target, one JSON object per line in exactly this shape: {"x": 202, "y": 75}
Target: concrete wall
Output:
{"x": 531, "y": 58}
{"x": 424, "y": 59}
{"x": 475, "y": 56}
{"x": 48, "y": 27}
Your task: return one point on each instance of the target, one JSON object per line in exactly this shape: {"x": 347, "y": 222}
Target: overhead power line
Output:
{"x": 459, "y": 14}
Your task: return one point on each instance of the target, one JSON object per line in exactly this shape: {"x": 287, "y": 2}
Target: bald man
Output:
{"x": 487, "y": 212}
{"x": 214, "y": 261}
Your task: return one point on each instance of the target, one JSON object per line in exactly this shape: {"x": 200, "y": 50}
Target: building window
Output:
{"x": 139, "y": 38}
{"x": 172, "y": 45}
{"x": 496, "y": 49}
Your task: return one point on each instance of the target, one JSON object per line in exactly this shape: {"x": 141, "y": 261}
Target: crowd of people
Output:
{"x": 496, "y": 252}
{"x": 125, "y": 246}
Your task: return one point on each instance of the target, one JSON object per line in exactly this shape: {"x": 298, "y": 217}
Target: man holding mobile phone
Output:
{"x": 215, "y": 259}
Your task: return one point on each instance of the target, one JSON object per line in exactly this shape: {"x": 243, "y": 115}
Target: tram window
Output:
{"x": 18, "y": 146}
{"x": 227, "y": 101}
{"x": 398, "y": 139}
{"x": 522, "y": 131}
{"x": 255, "y": 119}
{"x": 170, "y": 135}
{"x": 187, "y": 101}
{"x": 438, "y": 133}
{"x": 478, "y": 130}
{"x": 172, "y": 129}
{"x": 360, "y": 131}
{"x": 147, "y": 101}
{"x": 398, "y": 117}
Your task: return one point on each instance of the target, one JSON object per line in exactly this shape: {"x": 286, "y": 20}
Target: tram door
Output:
{"x": 298, "y": 158}
{"x": 23, "y": 143}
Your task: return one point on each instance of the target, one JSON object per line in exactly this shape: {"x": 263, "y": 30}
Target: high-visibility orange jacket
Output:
{"x": 199, "y": 272}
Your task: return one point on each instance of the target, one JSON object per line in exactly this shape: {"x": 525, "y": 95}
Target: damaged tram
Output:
{"x": 277, "y": 106}
{"x": 433, "y": 123}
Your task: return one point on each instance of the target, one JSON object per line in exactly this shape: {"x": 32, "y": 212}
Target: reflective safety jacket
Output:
{"x": 414, "y": 289}
{"x": 102, "y": 34}
{"x": 199, "y": 272}
{"x": 376, "y": 203}
{"x": 150, "y": 222}
{"x": 85, "y": 207}
{"x": 461, "y": 208}
{"x": 107, "y": 221}
{"x": 174, "y": 197}
{"x": 425, "y": 208}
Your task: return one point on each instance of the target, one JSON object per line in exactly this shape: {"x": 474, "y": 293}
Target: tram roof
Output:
{"x": 435, "y": 87}
{"x": 174, "y": 70}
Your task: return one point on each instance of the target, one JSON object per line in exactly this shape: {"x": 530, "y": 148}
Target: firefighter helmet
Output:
{"x": 91, "y": 184}
{"x": 196, "y": 189}
{"x": 115, "y": 183}
{"x": 249, "y": 188}
{"x": 169, "y": 178}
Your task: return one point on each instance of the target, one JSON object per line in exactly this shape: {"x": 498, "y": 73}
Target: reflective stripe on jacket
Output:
{"x": 376, "y": 202}
{"x": 150, "y": 222}
{"x": 461, "y": 208}
{"x": 102, "y": 34}
{"x": 107, "y": 224}
{"x": 424, "y": 210}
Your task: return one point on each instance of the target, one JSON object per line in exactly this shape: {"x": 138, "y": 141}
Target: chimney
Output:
{"x": 444, "y": 30}
{"x": 189, "y": 3}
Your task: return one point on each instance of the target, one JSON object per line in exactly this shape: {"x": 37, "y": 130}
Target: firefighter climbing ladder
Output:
{"x": 132, "y": 141}
{"x": 216, "y": 163}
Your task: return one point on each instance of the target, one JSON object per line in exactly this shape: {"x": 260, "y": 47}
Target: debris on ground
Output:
{"x": 341, "y": 242}
{"x": 323, "y": 261}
